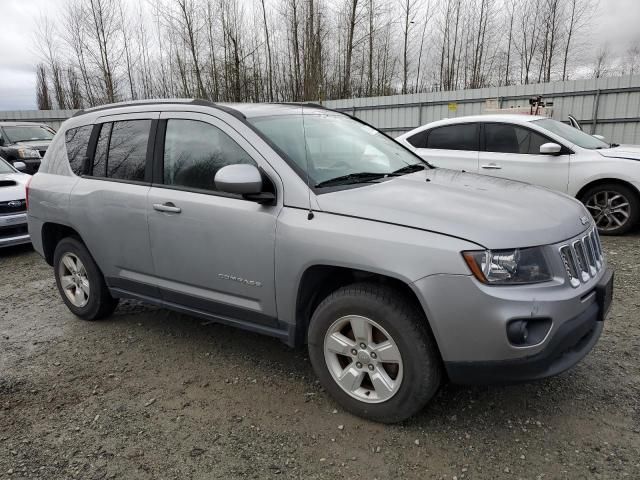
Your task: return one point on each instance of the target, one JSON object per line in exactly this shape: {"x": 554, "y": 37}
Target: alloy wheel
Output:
{"x": 74, "y": 280}
{"x": 610, "y": 209}
{"x": 363, "y": 359}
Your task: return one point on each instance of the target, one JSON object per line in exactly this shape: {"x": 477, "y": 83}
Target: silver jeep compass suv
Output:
{"x": 310, "y": 226}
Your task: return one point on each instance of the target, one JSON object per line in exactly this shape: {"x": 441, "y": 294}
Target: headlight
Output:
{"x": 28, "y": 153}
{"x": 508, "y": 267}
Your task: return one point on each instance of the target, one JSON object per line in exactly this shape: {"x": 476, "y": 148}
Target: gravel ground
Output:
{"x": 153, "y": 394}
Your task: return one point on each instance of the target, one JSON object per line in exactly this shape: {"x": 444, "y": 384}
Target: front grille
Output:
{"x": 582, "y": 258}
{"x": 13, "y": 206}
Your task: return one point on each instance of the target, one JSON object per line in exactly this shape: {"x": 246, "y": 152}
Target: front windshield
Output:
{"x": 571, "y": 134}
{"x": 5, "y": 167}
{"x": 336, "y": 146}
{"x": 27, "y": 133}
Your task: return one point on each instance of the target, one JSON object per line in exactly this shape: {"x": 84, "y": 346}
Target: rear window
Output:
{"x": 77, "y": 140}
{"x": 121, "y": 151}
{"x": 454, "y": 137}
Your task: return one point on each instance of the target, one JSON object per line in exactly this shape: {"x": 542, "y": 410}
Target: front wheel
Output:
{"x": 373, "y": 352}
{"x": 615, "y": 208}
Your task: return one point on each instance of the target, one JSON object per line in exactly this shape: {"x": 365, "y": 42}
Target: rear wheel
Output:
{"x": 372, "y": 350}
{"x": 615, "y": 208}
{"x": 80, "y": 282}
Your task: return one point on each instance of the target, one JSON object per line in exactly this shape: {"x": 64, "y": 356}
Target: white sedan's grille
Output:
{"x": 582, "y": 258}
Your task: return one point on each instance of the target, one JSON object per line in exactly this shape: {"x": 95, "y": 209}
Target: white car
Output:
{"x": 542, "y": 151}
{"x": 13, "y": 205}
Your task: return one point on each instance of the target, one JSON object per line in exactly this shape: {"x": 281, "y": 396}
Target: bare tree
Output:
{"x": 42, "y": 88}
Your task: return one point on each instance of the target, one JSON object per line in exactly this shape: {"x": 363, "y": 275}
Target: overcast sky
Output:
{"x": 616, "y": 23}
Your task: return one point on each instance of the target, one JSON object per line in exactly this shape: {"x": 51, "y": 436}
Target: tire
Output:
{"x": 86, "y": 293}
{"x": 418, "y": 374}
{"x": 611, "y": 203}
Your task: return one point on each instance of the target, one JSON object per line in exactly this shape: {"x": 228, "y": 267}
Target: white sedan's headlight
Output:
{"x": 508, "y": 267}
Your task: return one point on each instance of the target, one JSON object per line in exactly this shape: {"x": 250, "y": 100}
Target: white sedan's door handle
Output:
{"x": 168, "y": 207}
{"x": 491, "y": 166}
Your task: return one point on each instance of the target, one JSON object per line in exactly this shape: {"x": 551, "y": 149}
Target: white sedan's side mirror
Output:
{"x": 550, "y": 148}
{"x": 599, "y": 137}
{"x": 20, "y": 166}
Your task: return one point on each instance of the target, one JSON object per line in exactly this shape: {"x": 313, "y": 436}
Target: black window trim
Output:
{"x": 564, "y": 149}
{"x": 149, "y": 160}
{"x": 158, "y": 164}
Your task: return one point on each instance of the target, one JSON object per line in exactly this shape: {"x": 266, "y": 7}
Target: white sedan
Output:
{"x": 13, "y": 205}
{"x": 542, "y": 151}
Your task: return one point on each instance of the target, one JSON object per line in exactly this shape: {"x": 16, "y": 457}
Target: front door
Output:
{"x": 213, "y": 252}
{"x": 513, "y": 152}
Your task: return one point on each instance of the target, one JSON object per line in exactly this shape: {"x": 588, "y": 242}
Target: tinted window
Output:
{"x": 419, "y": 140}
{"x": 100, "y": 157}
{"x": 505, "y": 138}
{"x": 194, "y": 151}
{"x": 77, "y": 140}
{"x": 454, "y": 137}
{"x": 128, "y": 150}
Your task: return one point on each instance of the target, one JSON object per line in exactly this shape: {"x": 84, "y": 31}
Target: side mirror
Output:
{"x": 550, "y": 148}
{"x": 20, "y": 166}
{"x": 244, "y": 180}
{"x": 599, "y": 137}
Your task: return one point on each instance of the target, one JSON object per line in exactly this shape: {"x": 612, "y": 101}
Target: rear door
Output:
{"x": 109, "y": 202}
{"x": 213, "y": 251}
{"x": 513, "y": 152}
{"x": 450, "y": 146}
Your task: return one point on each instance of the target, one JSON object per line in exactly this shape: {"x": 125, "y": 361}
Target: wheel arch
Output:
{"x": 51, "y": 234}
{"x": 604, "y": 181}
{"x": 319, "y": 281}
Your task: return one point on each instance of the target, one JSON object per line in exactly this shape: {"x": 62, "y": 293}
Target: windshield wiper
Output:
{"x": 359, "y": 177}
{"x": 414, "y": 167}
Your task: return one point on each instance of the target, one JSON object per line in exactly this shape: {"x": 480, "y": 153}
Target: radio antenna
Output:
{"x": 306, "y": 162}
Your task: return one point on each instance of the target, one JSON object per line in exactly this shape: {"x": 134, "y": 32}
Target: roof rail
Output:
{"x": 163, "y": 101}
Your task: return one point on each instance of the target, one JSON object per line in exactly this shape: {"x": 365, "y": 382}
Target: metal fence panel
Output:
{"x": 606, "y": 106}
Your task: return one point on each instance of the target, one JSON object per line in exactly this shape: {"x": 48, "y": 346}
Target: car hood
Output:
{"x": 628, "y": 152}
{"x": 490, "y": 211}
{"x": 12, "y": 186}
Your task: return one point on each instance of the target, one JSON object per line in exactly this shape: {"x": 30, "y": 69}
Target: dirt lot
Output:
{"x": 153, "y": 394}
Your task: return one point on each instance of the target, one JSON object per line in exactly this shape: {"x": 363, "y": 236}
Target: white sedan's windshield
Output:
{"x": 571, "y": 134}
{"x": 328, "y": 146}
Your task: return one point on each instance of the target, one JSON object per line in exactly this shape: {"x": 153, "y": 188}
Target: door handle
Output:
{"x": 168, "y": 207}
{"x": 491, "y": 166}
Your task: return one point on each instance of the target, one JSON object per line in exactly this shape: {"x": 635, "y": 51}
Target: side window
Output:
{"x": 128, "y": 150}
{"x": 100, "y": 157}
{"x": 121, "y": 151}
{"x": 194, "y": 151}
{"x": 454, "y": 137}
{"x": 77, "y": 142}
{"x": 503, "y": 138}
{"x": 419, "y": 140}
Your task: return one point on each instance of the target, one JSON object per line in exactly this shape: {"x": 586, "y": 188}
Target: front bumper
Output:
{"x": 571, "y": 343}
{"x": 13, "y": 230}
{"x": 470, "y": 320}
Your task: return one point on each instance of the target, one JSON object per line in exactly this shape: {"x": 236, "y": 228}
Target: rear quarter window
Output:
{"x": 77, "y": 142}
